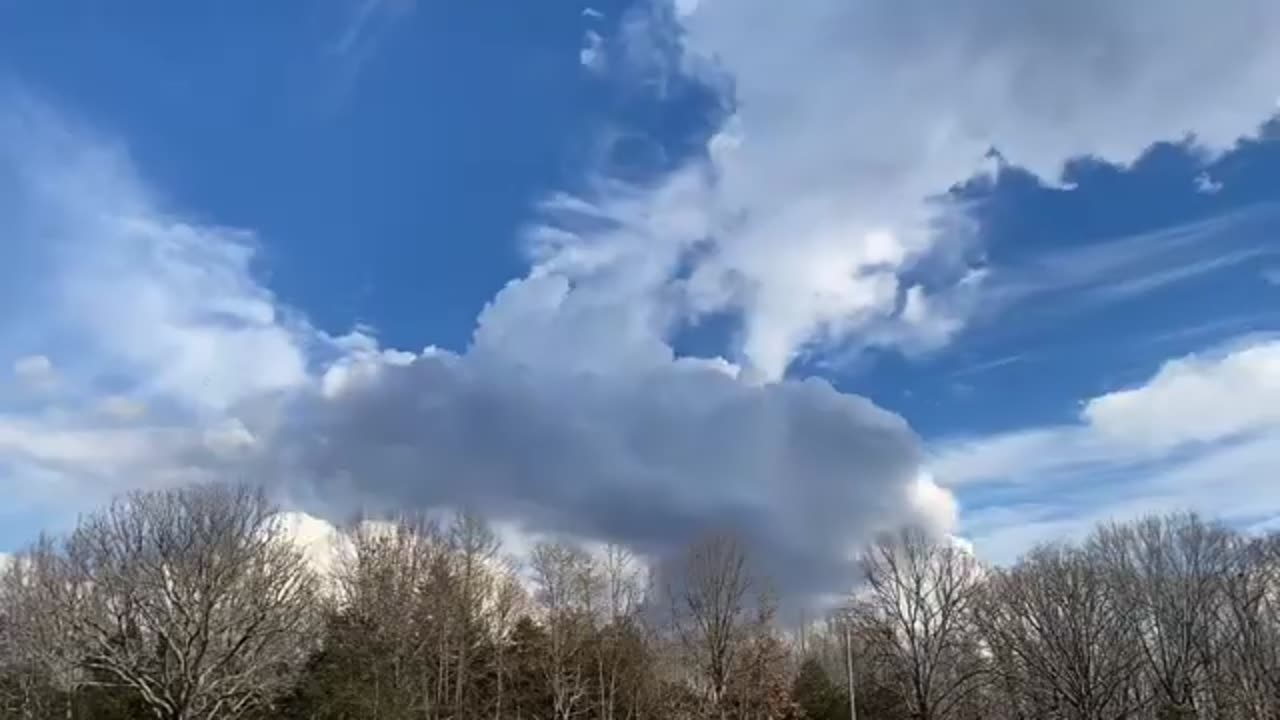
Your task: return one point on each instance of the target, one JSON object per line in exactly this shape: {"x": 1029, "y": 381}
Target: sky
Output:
{"x": 634, "y": 271}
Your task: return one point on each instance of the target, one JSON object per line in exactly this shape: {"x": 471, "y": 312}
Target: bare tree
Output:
{"x": 623, "y": 583}
{"x": 509, "y": 604}
{"x": 1169, "y": 572}
{"x": 710, "y": 613}
{"x": 474, "y": 550}
{"x": 1250, "y": 630}
{"x": 1063, "y": 644}
{"x": 37, "y": 649}
{"x": 920, "y": 597}
{"x": 567, "y": 582}
{"x": 190, "y": 598}
{"x": 391, "y": 625}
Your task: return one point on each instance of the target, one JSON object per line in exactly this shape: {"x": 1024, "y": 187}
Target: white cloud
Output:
{"x": 321, "y": 542}
{"x": 1116, "y": 268}
{"x": 570, "y": 413}
{"x": 1194, "y": 399}
{"x": 1202, "y": 432}
{"x": 122, "y": 408}
{"x": 1272, "y": 276}
{"x": 169, "y": 305}
{"x": 1207, "y": 185}
{"x": 685, "y": 8}
{"x": 35, "y": 371}
{"x": 814, "y": 201}
{"x": 592, "y": 55}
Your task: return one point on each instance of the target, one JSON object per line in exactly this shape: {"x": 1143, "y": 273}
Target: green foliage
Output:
{"x": 817, "y": 696}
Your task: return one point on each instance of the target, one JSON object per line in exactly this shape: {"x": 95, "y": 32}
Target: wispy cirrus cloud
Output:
{"x": 366, "y": 20}
{"x": 1116, "y": 269}
{"x": 364, "y": 25}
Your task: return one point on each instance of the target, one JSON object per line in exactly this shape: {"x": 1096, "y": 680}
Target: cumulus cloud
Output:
{"x": 820, "y": 222}
{"x": 814, "y": 216}
{"x": 651, "y": 459}
{"x": 567, "y": 415}
{"x": 1203, "y": 432}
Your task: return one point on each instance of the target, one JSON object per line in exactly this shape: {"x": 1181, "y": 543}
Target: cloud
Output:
{"x": 321, "y": 542}
{"x": 988, "y": 365}
{"x": 1202, "y": 432}
{"x": 364, "y": 27}
{"x": 165, "y": 307}
{"x": 366, "y": 21}
{"x": 1271, "y": 275}
{"x": 592, "y": 55}
{"x": 35, "y": 371}
{"x": 814, "y": 216}
{"x": 1195, "y": 399}
{"x": 651, "y": 459}
{"x": 1111, "y": 270}
{"x": 820, "y": 222}
{"x": 569, "y": 414}
{"x": 1206, "y": 185}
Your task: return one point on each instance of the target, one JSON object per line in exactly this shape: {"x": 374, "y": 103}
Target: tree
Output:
{"x": 189, "y": 598}
{"x": 1169, "y": 571}
{"x": 709, "y": 612}
{"x": 567, "y": 583}
{"x": 815, "y": 693}
{"x": 918, "y": 611}
{"x": 37, "y": 651}
{"x": 616, "y": 646}
{"x": 1062, "y": 641}
{"x": 1249, "y": 629}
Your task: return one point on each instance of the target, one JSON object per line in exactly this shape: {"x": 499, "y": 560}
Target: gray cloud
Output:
{"x": 651, "y": 460}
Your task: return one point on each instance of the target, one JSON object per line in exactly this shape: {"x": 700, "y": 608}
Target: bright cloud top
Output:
{"x": 815, "y": 215}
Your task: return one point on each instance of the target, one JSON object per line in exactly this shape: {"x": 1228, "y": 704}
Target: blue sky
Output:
{"x": 624, "y": 270}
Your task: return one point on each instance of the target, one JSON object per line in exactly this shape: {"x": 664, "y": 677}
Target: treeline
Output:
{"x": 194, "y": 604}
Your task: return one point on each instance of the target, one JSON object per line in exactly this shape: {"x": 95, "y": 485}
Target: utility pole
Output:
{"x": 848, "y": 661}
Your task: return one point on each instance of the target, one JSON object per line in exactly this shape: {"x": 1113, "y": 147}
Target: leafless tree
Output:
{"x": 509, "y": 603}
{"x": 568, "y": 583}
{"x": 385, "y": 592}
{"x": 1169, "y": 571}
{"x": 1250, "y": 629}
{"x": 1064, "y": 645}
{"x": 623, "y": 582}
{"x": 710, "y": 613}
{"x": 474, "y": 552}
{"x": 920, "y": 596}
{"x": 190, "y": 598}
{"x": 36, "y": 645}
